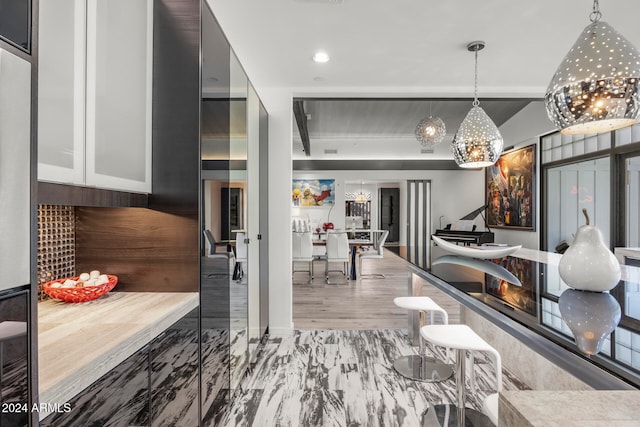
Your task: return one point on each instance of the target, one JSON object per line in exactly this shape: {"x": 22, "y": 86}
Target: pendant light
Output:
{"x": 595, "y": 88}
{"x": 430, "y": 130}
{"x": 361, "y": 197}
{"x": 478, "y": 142}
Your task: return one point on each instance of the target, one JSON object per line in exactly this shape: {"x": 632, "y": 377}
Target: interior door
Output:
{"x": 390, "y": 212}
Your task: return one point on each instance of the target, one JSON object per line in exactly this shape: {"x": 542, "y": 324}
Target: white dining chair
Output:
{"x": 241, "y": 255}
{"x": 302, "y": 251}
{"x": 337, "y": 251}
{"x": 376, "y": 253}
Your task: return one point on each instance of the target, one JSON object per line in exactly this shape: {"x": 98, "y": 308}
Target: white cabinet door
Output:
{"x": 15, "y": 169}
{"x": 95, "y": 88}
{"x": 61, "y": 91}
{"x": 119, "y": 86}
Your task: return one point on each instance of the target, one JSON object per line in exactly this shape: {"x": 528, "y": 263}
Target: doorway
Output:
{"x": 390, "y": 213}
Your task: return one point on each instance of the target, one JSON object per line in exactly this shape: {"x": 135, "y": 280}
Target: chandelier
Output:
{"x": 595, "y": 88}
{"x": 430, "y": 130}
{"x": 361, "y": 197}
{"x": 478, "y": 142}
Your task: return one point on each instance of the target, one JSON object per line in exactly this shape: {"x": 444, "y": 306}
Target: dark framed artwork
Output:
{"x": 510, "y": 191}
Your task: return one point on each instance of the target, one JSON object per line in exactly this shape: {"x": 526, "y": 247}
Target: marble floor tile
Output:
{"x": 342, "y": 378}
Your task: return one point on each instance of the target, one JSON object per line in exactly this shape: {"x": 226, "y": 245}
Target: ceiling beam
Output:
{"x": 421, "y": 165}
{"x": 301, "y": 120}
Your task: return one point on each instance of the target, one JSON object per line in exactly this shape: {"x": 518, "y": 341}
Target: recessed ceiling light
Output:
{"x": 321, "y": 57}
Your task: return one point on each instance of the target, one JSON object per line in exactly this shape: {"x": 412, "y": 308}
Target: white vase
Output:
{"x": 588, "y": 264}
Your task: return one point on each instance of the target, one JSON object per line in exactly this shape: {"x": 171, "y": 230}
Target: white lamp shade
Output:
{"x": 595, "y": 88}
{"x": 478, "y": 142}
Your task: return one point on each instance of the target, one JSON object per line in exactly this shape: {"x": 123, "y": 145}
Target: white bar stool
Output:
{"x": 420, "y": 367}
{"x": 461, "y": 338}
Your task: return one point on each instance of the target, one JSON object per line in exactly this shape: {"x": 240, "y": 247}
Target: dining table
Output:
{"x": 354, "y": 246}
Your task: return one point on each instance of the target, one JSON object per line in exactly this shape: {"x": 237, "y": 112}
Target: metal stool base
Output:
{"x": 422, "y": 368}
{"x": 448, "y": 415}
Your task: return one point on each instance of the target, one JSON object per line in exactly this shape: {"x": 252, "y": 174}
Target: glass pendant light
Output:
{"x": 478, "y": 142}
{"x": 430, "y": 131}
{"x": 361, "y": 197}
{"x": 595, "y": 88}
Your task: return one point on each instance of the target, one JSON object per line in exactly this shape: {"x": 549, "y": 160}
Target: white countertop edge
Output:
{"x": 84, "y": 376}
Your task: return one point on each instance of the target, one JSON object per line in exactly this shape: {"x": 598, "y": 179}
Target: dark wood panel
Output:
{"x": 148, "y": 250}
{"x": 61, "y": 194}
{"x": 176, "y": 106}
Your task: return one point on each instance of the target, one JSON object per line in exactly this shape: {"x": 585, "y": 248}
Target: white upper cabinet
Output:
{"x": 95, "y": 86}
{"x": 15, "y": 172}
{"x": 61, "y": 91}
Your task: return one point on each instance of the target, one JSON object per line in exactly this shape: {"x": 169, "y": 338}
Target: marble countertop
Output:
{"x": 569, "y": 408}
{"x": 78, "y": 343}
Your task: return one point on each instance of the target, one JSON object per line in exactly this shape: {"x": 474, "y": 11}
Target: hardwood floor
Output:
{"x": 366, "y": 303}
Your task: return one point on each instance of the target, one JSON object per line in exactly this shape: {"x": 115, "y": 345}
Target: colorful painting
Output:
{"x": 510, "y": 190}
{"x": 313, "y": 192}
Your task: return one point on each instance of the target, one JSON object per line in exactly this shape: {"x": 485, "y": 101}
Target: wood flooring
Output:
{"x": 364, "y": 303}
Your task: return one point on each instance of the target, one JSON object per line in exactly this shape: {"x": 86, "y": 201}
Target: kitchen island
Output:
{"x": 78, "y": 343}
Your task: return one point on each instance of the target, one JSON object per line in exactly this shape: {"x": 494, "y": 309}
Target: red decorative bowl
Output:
{"x": 84, "y": 294}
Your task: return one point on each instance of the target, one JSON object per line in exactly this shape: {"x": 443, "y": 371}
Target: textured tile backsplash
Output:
{"x": 56, "y": 244}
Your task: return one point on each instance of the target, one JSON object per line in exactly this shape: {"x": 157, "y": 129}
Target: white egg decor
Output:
{"x": 84, "y": 287}
{"x": 588, "y": 264}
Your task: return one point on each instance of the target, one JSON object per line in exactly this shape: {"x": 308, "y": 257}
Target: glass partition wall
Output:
{"x": 632, "y": 200}
{"x": 599, "y": 172}
{"x": 233, "y": 144}
{"x": 237, "y": 213}
{"x": 216, "y": 265}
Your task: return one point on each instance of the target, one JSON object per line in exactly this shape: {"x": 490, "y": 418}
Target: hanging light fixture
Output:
{"x": 478, "y": 142}
{"x": 595, "y": 88}
{"x": 361, "y": 197}
{"x": 430, "y": 130}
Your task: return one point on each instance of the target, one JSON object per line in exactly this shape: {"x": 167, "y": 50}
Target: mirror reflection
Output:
{"x": 591, "y": 316}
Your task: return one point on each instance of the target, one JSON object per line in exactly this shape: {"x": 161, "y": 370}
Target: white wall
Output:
{"x": 278, "y": 103}
{"x": 454, "y": 193}
{"x": 523, "y": 130}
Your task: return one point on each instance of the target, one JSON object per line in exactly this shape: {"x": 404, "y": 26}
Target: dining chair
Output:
{"x": 241, "y": 255}
{"x": 213, "y": 247}
{"x": 376, "y": 253}
{"x": 337, "y": 251}
{"x": 302, "y": 251}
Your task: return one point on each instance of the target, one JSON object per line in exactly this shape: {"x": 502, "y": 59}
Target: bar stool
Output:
{"x": 461, "y": 338}
{"x": 420, "y": 367}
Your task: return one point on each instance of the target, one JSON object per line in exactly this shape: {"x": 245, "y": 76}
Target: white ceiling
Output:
{"x": 409, "y": 48}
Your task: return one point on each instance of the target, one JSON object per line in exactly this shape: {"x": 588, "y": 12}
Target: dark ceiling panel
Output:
{"x": 316, "y": 165}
